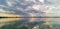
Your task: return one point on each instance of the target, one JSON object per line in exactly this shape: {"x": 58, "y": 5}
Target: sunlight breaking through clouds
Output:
{"x": 9, "y": 3}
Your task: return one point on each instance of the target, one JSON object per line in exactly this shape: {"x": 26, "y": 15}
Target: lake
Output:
{"x": 31, "y": 23}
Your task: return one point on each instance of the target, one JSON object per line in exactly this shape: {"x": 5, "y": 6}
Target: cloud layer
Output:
{"x": 28, "y": 7}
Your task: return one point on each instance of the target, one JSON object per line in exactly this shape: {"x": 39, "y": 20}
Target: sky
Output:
{"x": 30, "y": 7}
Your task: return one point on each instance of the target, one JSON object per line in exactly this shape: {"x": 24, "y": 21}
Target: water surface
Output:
{"x": 29, "y": 22}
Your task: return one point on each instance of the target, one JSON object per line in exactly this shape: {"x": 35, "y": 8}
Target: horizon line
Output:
{"x": 29, "y": 17}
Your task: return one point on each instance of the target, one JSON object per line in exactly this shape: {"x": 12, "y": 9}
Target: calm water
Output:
{"x": 30, "y": 23}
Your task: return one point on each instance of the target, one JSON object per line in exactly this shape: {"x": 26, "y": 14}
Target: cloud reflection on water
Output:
{"x": 5, "y": 21}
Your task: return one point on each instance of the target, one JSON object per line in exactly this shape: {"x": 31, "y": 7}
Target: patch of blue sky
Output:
{"x": 2, "y": 2}
{"x": 53, "y": 1}
{"x": 55, "y": 10}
